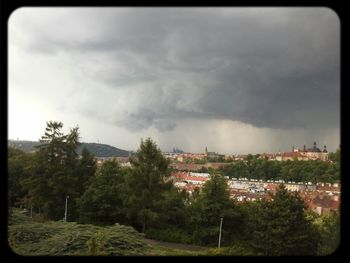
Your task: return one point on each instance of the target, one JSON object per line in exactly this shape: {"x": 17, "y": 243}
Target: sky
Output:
{"x": 235, "y": 80}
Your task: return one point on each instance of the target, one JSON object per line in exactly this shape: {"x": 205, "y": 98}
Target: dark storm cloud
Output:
{"x": 274, "y": 68}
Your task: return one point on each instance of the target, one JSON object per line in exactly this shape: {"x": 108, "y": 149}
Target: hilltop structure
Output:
{"x": 313, "y": 153}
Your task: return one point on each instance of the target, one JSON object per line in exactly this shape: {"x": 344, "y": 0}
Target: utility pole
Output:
{"x": 220, "y": 231}
{"x": 65, "y": 212}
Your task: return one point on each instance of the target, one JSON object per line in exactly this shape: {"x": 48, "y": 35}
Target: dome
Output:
{"x": 314, "y": 149}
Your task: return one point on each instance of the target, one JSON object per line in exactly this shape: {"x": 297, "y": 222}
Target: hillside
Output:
{"x": 103, "y": 150}
{"x": 97, "y": 149}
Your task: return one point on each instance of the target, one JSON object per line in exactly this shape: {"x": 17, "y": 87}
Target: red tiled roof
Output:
{"x": 292, "y": 154}
{"x": 195, "y": 178}
{"x": 327, "y": 188}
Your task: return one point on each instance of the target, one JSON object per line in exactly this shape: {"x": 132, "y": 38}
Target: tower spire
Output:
{"x": 324, "y": 148}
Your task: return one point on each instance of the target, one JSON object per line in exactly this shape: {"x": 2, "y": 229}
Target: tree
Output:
{"x": 52, "y": 143}
{"x": 329, "y": 228}
{"x": 206, "y": 210}
{"x": 335, "y": 157}
{"x": 283, "y": 228}
{"x": 54, "y": 171}
{"x": 102, "y": 202}
{"x": 172, "y": 208}
{"x": 87, "y": 170}
{"x": 146, "y": 185}
{"x": 18, "y": 162}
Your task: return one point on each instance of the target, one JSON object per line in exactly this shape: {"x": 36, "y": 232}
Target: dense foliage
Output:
{"x": 51, "y": 174}
{"x": 297, "y": 171}
{"x": 146, "y": 185}
{"x": 206, "y": 211}
{"x": 329, "y": 229}
{"x": 282, "y": 227}
{"x": 102, "y": 202}
{"x": 143, "y": 197}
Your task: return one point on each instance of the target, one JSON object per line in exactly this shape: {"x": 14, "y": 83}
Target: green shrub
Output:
{"x": 29, "y": 237}
{"x": 174, "y": 235}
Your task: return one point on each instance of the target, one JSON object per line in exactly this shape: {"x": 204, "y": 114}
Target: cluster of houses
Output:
{"x": 305, "y": 154}
{"x": 181, "y": 157}
{"x": 199, "y": 161}
{"x": 321, "y": 197}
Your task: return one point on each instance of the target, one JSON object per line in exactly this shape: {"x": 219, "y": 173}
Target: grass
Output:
{"x": 156, "y": 250}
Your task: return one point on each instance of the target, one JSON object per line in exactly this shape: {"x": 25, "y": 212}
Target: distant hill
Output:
{"x": 103, "y": 150}
{"x": 26, "y": 146}
{"x": 97, "y": 149}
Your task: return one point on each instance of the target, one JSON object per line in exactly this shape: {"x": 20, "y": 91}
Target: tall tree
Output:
{"x": 54, "y": 171}
{"x": 52, "y": 143}
{"x": 283, "y": 228}
{"x": 87, "y": 169}
{"x": 102, "y": 202}
{"x": 146, "y": 185}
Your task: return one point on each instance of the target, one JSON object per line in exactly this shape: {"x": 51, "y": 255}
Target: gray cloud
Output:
{"x": 274, "y": 68}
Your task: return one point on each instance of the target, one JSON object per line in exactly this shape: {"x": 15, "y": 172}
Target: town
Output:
{"x": 176, "y": 197}
{"x": 186, "y": 175}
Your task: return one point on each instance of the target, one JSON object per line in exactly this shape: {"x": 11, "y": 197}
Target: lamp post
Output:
{"x": 220, "y": 231}
{"x": 65, "y": 211}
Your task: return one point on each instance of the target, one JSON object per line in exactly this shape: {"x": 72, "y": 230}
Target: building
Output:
{"x": 294, "y": 187}
{"x": 213, "y": 155}
{"x": 321, "y": 203}
{"x": 313, "y": 153}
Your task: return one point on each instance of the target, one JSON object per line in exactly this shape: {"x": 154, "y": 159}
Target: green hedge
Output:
{"x": 174, "y": 235}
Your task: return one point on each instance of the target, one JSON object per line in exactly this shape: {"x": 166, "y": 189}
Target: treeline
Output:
{"x": 298, "y": 171}
{"x": 143, "y": 196}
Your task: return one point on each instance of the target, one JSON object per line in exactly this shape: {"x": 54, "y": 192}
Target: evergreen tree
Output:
{"x": 173, "y": 208}
{"x": 54, "y": 172}
{"x": 51, "y": 144}
{"x": 146, "y": 185}
{"x": 87, "y": 169}
{"x": 283, "y": 228}
{"x": 207, "y": 209}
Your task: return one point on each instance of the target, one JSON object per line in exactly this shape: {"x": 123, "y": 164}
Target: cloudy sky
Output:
{"x": 237, "y": 80}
